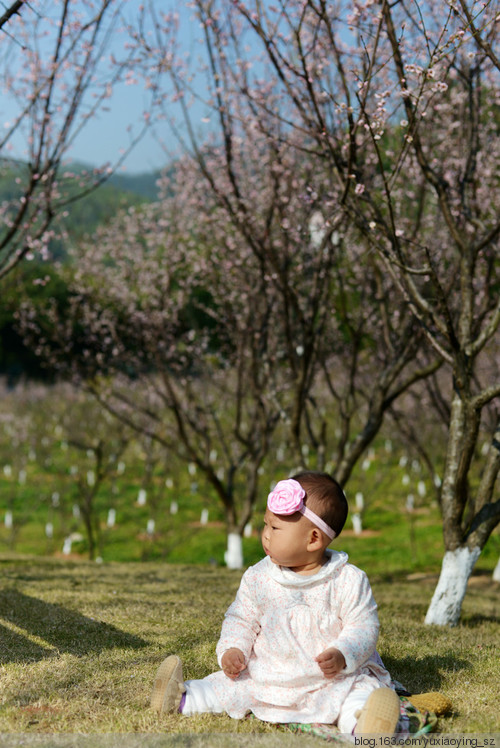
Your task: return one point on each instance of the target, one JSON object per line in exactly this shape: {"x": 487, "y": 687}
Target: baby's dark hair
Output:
{"x": 325, "y": 497}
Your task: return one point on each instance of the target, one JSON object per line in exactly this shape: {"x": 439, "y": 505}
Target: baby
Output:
{"x": 298, "y": 642}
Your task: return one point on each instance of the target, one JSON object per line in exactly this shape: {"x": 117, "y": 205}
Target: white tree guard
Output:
{"x": 496, "y": 572}
{"x": 234, "y": 554}
{"x": 446, "y": 602}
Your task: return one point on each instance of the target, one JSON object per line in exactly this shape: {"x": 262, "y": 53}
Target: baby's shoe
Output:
{"x": 380, "y": 714}
{"x": 168, "y": 686}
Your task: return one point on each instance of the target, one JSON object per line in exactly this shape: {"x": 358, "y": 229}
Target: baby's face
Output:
{"x": 285, "y": 539}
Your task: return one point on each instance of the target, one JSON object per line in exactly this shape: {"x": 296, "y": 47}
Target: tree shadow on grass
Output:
{"x": 421, "y": 674}
{"x": 15, "y": 647}
{"x": 61, "y": 629}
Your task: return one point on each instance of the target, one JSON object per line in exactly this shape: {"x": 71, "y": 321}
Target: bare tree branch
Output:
{"x": 11, "y": 11}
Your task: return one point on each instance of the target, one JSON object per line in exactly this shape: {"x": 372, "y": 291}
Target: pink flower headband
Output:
{"x": 287, "y": 498}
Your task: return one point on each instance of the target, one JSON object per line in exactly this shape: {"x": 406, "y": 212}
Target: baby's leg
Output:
{"x": 353, "y": 704}
{"x": 199, "y": 698}
{"x": 369, "y": 711}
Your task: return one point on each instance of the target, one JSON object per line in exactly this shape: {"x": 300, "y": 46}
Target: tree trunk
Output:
{"x": 86, "y": 511}
{"x": 459, "y": 559}
{"x": 446, "y": 602}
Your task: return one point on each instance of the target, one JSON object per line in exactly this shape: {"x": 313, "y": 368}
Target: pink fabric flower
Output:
{"x": 286, "y": 497}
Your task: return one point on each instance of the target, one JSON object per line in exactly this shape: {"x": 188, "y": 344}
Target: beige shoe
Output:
{"x": 380, "y": 714}
{"x": 168, "y": 686}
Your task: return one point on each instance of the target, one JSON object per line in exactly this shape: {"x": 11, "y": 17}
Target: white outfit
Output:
{"x": 281, "y": 621}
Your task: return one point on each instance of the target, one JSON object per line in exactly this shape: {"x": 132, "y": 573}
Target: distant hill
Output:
{"x": 138, "y": 184}
{"x": 142, "y": 185}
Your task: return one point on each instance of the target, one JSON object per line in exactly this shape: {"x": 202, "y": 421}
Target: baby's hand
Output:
{"x": 331, "y": 662}
{"x": 233, "y": 662}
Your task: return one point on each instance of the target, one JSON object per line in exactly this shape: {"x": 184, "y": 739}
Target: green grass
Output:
{"x": 80, "y": 644}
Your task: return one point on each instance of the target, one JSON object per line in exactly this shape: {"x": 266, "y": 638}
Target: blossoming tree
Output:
{"x": 398, "y": 102}
{"x": 170, "y": 346}
{"x": 227, "y": 326}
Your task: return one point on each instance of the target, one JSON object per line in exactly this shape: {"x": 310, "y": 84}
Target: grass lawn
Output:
{"x": 80, "y": 644}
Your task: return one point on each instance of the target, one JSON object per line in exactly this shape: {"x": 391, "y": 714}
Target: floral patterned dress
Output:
{"x": 281, "y": 621}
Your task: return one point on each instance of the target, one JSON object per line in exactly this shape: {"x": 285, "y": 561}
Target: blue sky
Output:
{"x": 102, "y": 139}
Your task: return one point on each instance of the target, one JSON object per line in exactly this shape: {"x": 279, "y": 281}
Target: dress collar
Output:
{"x": 289, "y": 578}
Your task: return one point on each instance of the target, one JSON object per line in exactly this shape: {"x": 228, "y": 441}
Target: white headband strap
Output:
{"x": 317, "y": 521}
